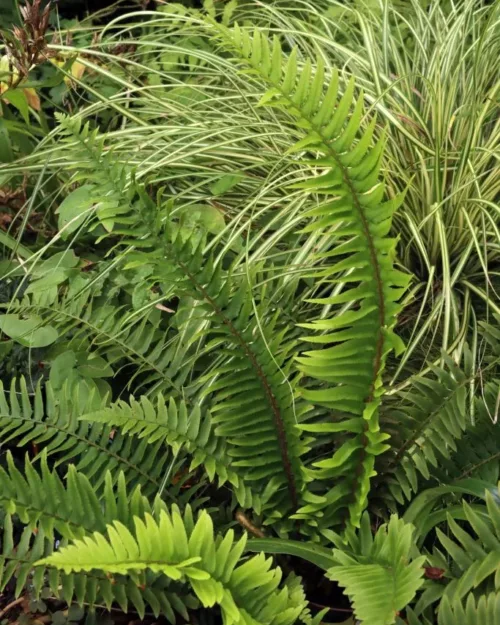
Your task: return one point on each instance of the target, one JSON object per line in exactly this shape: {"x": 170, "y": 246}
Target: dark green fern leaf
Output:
{"x": 51, "y": 420}
{"x": 173, "y": 425}
{"x": 251, "y": 400}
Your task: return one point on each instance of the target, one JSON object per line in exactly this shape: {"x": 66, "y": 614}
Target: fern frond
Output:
{"x": 72, "y": 510}
{"x": 440, "y": 432}
{"x": 186, "y": 550}
{"x": 472, "y": 559}
{"x": 108, "y": 181}
{"x": 51, "y": 421}
{"x": 251, "y": 401}
{"x": 477, "y": 453}
{"x": 347, "y": 368}
{"x": 426, "y": 425}
{"x": 173, "y": 425}
{"x": 382, "y": 576}
{"x": 474, "y": 610}
{"x": 52, "y": 510}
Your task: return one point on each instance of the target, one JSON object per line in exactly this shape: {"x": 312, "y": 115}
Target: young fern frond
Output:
{"x": 51, "y": 420}
{"x": 186, "y": 550}
{"x": 52, "y": 510}
{"x": 381, "y": 574}
{"x": 108, "y": 181}
{"x": 353, "y": 346}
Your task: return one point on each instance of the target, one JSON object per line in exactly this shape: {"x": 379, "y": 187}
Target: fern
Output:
{"x": 252, "y": 364}
{"x": 272, "y": 383}
{"x": 71, "y": 511}
{"x": 184, "y": 549}
{"x": 381, "y": 574}
{"x": 477, "y": 454}
{"x": 108, "y": 181}
{"x": 53, "y": 422}
{"x": 426, "y": 425}
{"x": 440, "y": 432}
{"x": 472, "y": 610}
{"x": 484, "y": 610}
{"x": 354, "y": 345}
{"x": 175, "y": 426}
{"x": 266, "y": 447}
{"x": 52, "y": 510}
{"x": 470, "y": 563}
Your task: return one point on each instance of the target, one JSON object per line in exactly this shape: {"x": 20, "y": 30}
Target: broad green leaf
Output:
{"x": 207, "y": 216}
{"x": 18, "y": 99}
{"x": 74, "y": 209}
{"x": 225, "y": 183}
{"x": 62, "y": 260}
{"x": 95, "y": 367}
{"x": 29, "y": 331}
{"x": 54, "y": 278}
{"x": 61, "y": 368}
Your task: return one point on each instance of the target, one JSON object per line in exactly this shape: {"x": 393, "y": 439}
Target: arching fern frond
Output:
{"x": 51, "y": 420}
{"x": 345, "y": 372}
{"x": 440, "y": 432}
{"x": 186, "y": 550}
{"x": 174, "y": 425}
{"x": 477, "y": 453}
{"x": 54, "y": 511}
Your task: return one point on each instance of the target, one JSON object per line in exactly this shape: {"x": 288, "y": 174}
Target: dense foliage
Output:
{"x": 248, "y": 291}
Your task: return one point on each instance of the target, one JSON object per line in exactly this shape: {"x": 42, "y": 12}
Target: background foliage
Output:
{"x": 249, "y": 272}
